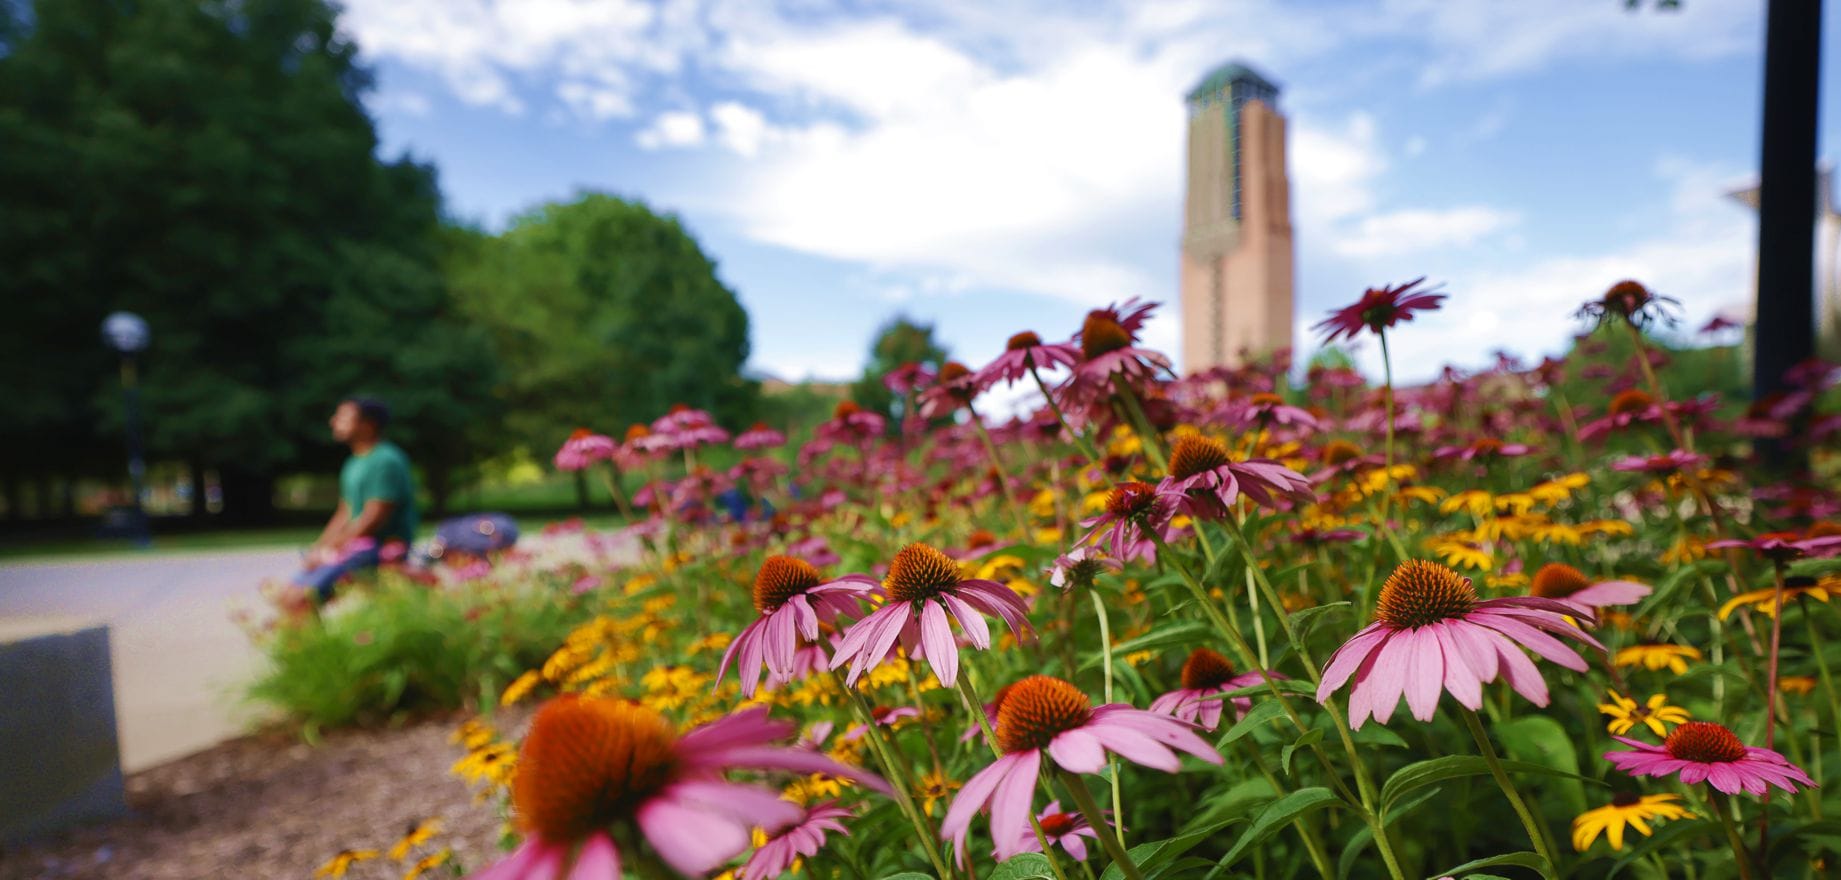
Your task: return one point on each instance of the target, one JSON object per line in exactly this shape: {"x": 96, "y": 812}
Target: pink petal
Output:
{"x": 783, "y": 638}
{"x": 689, "y": 839}
{"x": 1136, "y": 747}
{"x": 597, "y": 861}
{"x": 1361, "y": 694}
{"x": 1078, "y": 751}
{"x": 1539, "y": 642}
{"x": 795, "y": 760}
{"x": 1389, "y": 674}
{"x": 535, "y": 859}
{"x": 1010, "y": 808}
{"x": 1460, "y": 679}
{"x": 972, "y": 798}
{"x": 970, "y": 621}
{"x": 1477, "y": 646}
{"x": 1348, "y": 658}
{"x": 747, "y": 727}
{"x": 1425, "y": 674}
{"x": 748, "y": 804}
{"x": 1611, "y": 593}
{"x": 936, "y": 639}
{"x": 1521, "y": 673}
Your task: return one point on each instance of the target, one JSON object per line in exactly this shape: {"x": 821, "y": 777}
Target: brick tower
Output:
{"x": 1237, "y": 253}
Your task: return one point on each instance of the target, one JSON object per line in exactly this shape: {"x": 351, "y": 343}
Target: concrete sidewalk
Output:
{"x": 179, "y": 662}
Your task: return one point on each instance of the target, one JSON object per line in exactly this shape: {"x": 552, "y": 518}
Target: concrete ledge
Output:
{"x": 59, "y": 759}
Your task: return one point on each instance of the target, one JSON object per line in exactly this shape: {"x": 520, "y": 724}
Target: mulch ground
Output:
{"x": 268, "y": 805}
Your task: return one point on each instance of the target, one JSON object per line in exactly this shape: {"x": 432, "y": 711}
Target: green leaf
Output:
{"x": 1028, "y": 866}
{"x": 909, "y": 875}
{"x": 1181, "y": 633}
{"x": 1667, "y": 836}
{"x": 1376, "y": 735}
{"x": 1515, "y": 859}
{"x": 1422, "y": 773}
{"x": 1285, "y": 685}
{"x": 1308, "y": 738}
{"x": 1278, "y": 814}
{"x": 1262, "y": 713}
{"x": 1302, "y": 621}
{"x": 1541, "y": 740}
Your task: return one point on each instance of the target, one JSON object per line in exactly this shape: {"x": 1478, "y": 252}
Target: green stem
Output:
{"x": 1080, "y": 438}
{"x": 1312, "y": 844}
{"x": 1147, "y": 436}
{"x": 1387, "y": 398}
{"x": 1105, "y": 643}
{"x": 1821, "y": 665}
{"x": 1536, "y": 834}
{"x": 1770, "y": 695}
{"x": 1108, "y": 838}
{"x": 897, "y": 777}
{"x": 1719, "y": 808}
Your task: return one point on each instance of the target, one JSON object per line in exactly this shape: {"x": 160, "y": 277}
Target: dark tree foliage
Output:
{"x": 208, "y": 165}
{"x": 900, "y": 341}
{"x": 604, "y": 312}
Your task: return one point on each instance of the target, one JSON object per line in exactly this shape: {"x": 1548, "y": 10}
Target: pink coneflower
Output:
{"x": 1702, "y": 751}
{"x": 1207, "y": 674}
{"x": 1431, "y": 633}
{"x": 1064, "y": 830}
{"x": 592, "y": 763}
{"x": 851, "y": 424}
{"x": 1786, "y": 546}
{"x": 802, "y": 839}
{"x": 885, "y": 716}
{"x": 955, "y": 388}
{"x": 583, "y": 449}
{"x": 1134, "y": 512}
{"x": 1108, "y": 348}
{"x": 1080, "y": 567}
{"x": 1380, "y": 308}
{"x": 1628, "y": 407}
{"x": 923, "y": 587}
{"x": 1563, "y": 583}
{"x": 1632, "y": 302}
{"x": 760, "y": 437}
{"x": 1266, "y": 408}
{"x": 1483, "y": 448}
{"x": 1670, "y": 462}
{"x": 792, "y": 598}
{"x": 1205, "y": 481}
{"x": 1720, "y": 324}
{"x": 1026, "y": 351}
{"x": 685, "y": 428}
{"x": 909, "y": 377}
{"x": 1041, "y": 713}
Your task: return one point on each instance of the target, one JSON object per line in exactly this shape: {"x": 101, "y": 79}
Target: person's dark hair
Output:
{"x": 371, "y": 410}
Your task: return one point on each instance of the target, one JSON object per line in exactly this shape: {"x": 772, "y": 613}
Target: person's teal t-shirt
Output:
{"x": 382, "y": 474}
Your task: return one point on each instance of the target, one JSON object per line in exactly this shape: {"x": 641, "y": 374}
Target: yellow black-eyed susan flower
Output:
{"x": 339, "y": 864}
{"x": 1674, "y": 658}
{"x": 1655, "y": 713}
{"x": 1626, "y": 809}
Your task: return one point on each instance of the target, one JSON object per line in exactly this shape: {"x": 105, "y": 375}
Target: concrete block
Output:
{"x": 59, "y": 759}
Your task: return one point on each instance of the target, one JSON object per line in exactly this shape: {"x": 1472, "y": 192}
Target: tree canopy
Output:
{"x": 605, "y": 310}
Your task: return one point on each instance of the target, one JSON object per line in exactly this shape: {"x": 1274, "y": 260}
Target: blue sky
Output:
{"x": 993, "y": 167}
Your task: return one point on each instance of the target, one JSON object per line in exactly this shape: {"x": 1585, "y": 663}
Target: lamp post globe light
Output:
{"x": 127, "y": 335}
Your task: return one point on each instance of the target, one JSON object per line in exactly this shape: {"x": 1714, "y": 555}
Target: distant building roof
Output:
{"x": 1226, "y": 74}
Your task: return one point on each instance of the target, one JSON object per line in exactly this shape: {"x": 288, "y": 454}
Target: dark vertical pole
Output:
{"x": 1787, "y": 202}
{"x": 137, "y": 464}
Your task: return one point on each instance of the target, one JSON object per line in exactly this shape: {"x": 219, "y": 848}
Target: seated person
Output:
{"x": 377, "y": 504}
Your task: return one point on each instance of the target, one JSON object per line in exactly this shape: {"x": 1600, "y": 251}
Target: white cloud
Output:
{"x": 740, "y": 128}
{"x": 1419, "y": 229}
{"x": 678, "y": 128}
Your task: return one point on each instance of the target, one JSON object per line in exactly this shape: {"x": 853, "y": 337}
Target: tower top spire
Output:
{"x": 1231, "y": 73}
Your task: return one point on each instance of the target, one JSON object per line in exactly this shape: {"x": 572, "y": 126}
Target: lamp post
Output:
{"x": 127, "y": 334}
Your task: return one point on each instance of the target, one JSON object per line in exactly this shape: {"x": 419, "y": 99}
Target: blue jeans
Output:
{"x": 321, "y": 580}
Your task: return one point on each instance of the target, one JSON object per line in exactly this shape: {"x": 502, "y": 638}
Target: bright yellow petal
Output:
{"x": 1614, "y": 831}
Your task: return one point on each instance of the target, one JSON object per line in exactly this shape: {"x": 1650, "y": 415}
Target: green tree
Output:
{"x": 603, "y": 313}
{"x": 207, "y": 164}
{"x": 899, "y": 342}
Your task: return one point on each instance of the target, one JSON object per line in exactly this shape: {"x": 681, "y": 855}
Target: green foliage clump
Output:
{"x": 402, "y": 647}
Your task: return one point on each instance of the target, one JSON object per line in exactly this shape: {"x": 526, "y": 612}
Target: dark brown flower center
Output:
{"x": 1127, "y": 500}
{"x": 1557, "y": 580}
{"x": 1057, "y": 824}
{"x": 1206, "y": 670}
{"x": 1823, "y": 529}
{"x": 636, "y": 432}
{"x": 781, "y": 578}
{"x": 580, "y": 433}
{"x": 981, "y": 538}
{"x": 1420, "y": 593}
{"x": 952, "y": 371}
{"x": 1626, "y": 799}
{"x": 1626, "y": 298}
{"x": 1195, "y": 454}
{"x": 1038, "y": 708}
{"x": 1101, "y": 334}
{"x": 845, "y": 409}
{"x": 1022, "y": 340}
{"x": 1704, "y": 742}
{"x": 1336, "y": 452}
{"x": 589, "y": 761}
{"x": 1630, "y": 402}
{"x": 1265, "y": 398}
{"x": 919, "y": 572}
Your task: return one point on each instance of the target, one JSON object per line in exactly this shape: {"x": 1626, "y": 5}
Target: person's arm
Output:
{"x": 376, "y": 512}
{"x": 331, "y": 537}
